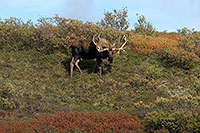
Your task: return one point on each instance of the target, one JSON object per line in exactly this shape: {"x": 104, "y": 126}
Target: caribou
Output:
{"x": 98, "y": 48}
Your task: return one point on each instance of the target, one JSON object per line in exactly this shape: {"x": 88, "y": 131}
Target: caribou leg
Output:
{"x": 72, "y": 67}
{"x": 76, "y": 63}
{"x": 95, "y": 69}
{"x": 99, "y": 65}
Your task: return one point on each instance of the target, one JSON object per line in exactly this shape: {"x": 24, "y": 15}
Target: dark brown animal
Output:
{"x": 97, "y": 48}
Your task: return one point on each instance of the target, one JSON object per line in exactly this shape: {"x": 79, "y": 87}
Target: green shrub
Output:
{"x": 143, "y": 27}
{"x": 49, "y": 34}
{"x": 180, "y": 58}
{"x": 116, "y": 20}
{"x": 179, "y": 121}
{"x": 8, "y": 97}
{"x": 191, "y": 43}
{"x": 16, "y": 35}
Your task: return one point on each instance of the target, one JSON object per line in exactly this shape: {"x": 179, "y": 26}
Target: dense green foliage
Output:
{"x": 49, "y": 34}
{"x": 178, "y": 121}
{"x": 116, "y": 20}
{"x": 143, "y": 27}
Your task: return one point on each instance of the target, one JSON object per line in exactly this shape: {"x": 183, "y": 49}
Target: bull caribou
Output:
{"x": 98, "y": 48}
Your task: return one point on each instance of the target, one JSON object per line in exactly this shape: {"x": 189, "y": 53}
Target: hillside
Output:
{"x": 34, "y": 83}
{"x": 153, "y": 86}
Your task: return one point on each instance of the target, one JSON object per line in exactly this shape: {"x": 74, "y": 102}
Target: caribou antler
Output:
{"x": 125, "y": 41}
{"x": 97, "y": 46}
{"x": 122, "y": 46}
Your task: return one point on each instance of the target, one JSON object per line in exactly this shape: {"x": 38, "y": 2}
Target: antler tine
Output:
{"x": 98, "y": 48}
{"x": 124, "y": 38}
{"x": 123, "y": 45}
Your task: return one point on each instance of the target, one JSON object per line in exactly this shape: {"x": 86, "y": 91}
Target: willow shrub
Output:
{"x": 16, "y": 35}
{"x": 183, "y": 52}
{"x": 179, "y": 121}
{"x": 49, "y": 34}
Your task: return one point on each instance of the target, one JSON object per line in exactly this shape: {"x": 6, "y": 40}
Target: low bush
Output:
{"x": 190, "y": 43}
{"x": 148, "y": 45}
{"x": 178, "y": 121}
{"x": 9, "y": 96}
{"x": 172, "y": 52}
{"x": 77, "y": 121}
{"x": 49, "y": 34}
{"x": 169, "y": 36}
{"x": 180, "y": 58}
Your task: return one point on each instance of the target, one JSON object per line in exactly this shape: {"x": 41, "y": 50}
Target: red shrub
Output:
{"x": 94, "y": 122}
{"x": 18, "y": 127}
{"x": 148, "y": 45}
{"x": 169, "y": 36}
{"x": 78, "y": 121}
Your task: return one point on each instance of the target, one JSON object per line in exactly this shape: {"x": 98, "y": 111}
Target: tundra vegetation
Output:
{"x": 153, "y": 86}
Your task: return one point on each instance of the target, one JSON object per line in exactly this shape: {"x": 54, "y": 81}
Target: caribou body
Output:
{"x": 98, "y": 48}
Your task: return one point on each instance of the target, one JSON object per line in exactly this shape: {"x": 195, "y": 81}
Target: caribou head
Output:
{"x": 104, "y": 46}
